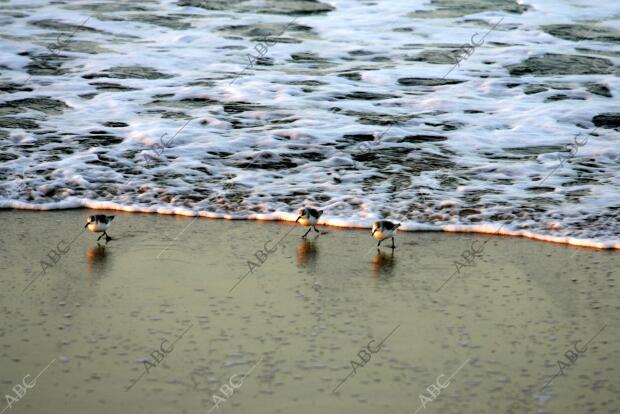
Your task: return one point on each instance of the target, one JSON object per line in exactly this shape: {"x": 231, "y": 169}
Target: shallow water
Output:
{"x": 353, "y": 106}
{"x": 303, "y": 315}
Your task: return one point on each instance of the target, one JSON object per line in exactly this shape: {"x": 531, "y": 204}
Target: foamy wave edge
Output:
{"x": 326, "y": 220}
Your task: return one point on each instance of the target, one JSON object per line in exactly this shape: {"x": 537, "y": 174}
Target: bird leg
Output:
{"x": 379, "y": 244}
{"x": 102, "y": 234}
{"x": 108, "y": 238}
{"x": 304, "y": 236}
{"x": 314, "y": 227}
{"x": 393, "y": 247}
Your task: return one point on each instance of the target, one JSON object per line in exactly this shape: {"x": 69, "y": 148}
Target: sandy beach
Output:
{"x": 149, "y": 323}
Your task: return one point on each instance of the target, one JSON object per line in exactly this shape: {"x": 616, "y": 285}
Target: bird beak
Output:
{"x": 373, "y": 232}
{"x": 298, "y": 218}
{"x": 86, "y": 225}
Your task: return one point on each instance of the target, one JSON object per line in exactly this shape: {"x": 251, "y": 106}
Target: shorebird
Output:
{"x": 99, "y": 224}
{"x": 308, "y": 217}
{"x": 384, "y": 229}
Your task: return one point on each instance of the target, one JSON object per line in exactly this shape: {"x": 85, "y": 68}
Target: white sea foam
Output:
{"x": 276, "y": 138}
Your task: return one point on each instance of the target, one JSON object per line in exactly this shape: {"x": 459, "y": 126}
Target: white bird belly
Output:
{"x": 382, "y": 235}
{"x": 98, "y": 227}
{"x": 307, "y": 222}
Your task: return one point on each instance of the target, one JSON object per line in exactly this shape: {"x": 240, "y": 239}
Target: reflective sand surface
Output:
{"x": 296, "y": 323}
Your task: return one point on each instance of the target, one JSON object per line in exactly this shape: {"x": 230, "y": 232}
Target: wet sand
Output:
{"x": 162, "y": 287}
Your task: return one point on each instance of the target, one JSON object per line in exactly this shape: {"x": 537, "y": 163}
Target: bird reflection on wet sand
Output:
{"x": 96, "y": 258}
{"x": 383, "y": 264}
{"x": 306, "y": 252}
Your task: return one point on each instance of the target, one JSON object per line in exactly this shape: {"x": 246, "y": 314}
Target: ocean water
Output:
{"x": 482, "y": 116}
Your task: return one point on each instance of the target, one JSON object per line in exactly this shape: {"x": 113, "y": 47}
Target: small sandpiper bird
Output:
{"x": 308, "y": 217}
{"x": 99, "y": 224}
{"x": 384, "y": 229}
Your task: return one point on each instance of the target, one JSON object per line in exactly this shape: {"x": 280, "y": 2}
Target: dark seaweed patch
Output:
{"x": 417, "y": 139}
{"x": 607, "y": 120}
{"x": 428, "y": 81}
{"x": 129, "y": 72}
{"x": 551, "y": 64}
